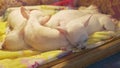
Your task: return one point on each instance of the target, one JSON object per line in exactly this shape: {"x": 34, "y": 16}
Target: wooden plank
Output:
{"x": 86, "y": 57}
{"x": 66, "y": 58}
{"x": 92, "y": 56}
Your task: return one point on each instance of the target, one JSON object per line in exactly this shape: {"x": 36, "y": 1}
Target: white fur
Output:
{"x": 42, "y": 38}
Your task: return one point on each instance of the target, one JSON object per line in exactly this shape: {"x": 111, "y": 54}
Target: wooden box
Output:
{"x": 87, "y": 57}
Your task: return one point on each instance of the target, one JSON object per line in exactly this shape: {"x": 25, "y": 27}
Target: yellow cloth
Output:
{"x": 2, "y": 30}
{"x": 32, "y": 61}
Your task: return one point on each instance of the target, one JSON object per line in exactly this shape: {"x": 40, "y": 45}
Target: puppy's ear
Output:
{"x": 62, "y": 30}
{"x": 87, "y": 21}
{"x": 25, "y": 13}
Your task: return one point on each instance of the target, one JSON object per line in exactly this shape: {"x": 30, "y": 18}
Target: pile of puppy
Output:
{"x": 33, "y": 29}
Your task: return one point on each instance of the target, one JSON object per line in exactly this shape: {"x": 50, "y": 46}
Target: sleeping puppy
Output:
{"x": 14, "y": 39}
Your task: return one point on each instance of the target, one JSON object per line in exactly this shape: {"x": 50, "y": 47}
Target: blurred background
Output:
{"x": 105, "y": 6}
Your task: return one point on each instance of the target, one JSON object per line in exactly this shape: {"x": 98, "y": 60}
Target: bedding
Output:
{"x": 27, "y": 58}
{"x": 33, "y": 59}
